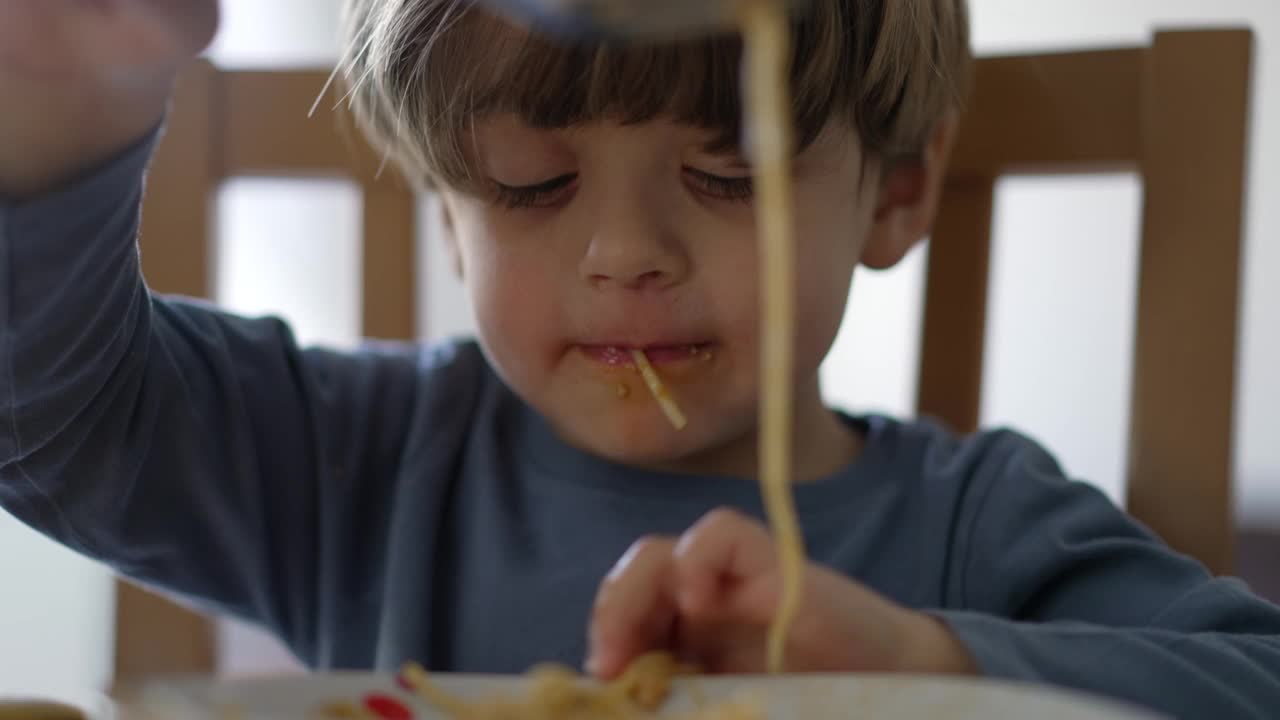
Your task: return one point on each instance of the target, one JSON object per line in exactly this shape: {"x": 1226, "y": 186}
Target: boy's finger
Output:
{"x": 726, "y": 551}
{"x": 634, "y": 610}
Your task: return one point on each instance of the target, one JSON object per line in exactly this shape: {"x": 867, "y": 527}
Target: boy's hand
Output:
{"x": 709, "y": 596}
{"x": 102, "y": 42}
{"x": 81, "y": 78}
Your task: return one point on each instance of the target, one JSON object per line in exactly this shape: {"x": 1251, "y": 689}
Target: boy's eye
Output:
{"x": 733, "y": 189}
{"x": 540, "y": 195}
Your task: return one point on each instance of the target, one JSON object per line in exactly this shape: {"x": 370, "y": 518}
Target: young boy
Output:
{"x": 484, "y": 507}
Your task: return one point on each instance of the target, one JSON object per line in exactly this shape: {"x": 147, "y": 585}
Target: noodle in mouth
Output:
{"x": 660, "y": 392}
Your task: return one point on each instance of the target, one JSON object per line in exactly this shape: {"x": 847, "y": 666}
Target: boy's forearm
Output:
{"x": 1178, "y": 671}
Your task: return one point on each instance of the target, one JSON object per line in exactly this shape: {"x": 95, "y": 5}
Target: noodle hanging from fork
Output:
{"x": 767, "y": 38}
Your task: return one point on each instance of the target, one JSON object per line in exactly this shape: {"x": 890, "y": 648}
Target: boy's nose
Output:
{"x": 634, "y": 260}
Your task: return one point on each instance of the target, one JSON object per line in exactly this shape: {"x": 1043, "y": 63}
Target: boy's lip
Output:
{"x": 618, "y": 355}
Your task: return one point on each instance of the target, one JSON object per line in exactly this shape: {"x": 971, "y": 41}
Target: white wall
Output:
{"x": 291, "y": 248}
{"x": 57, "y": 613}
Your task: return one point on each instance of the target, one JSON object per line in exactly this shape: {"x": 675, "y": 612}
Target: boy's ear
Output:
{"x": 907, "y": 201}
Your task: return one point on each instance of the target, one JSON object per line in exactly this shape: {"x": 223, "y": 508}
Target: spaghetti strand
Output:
{"x": 766, "y": 35}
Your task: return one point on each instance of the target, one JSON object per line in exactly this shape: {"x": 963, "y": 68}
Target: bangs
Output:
{"x": 423, "y": 71}
{"x": 558, "y": 86}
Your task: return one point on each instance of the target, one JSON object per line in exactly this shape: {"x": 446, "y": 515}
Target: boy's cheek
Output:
{"x": 517, "y": 324}
{"x": 822, "y": 295}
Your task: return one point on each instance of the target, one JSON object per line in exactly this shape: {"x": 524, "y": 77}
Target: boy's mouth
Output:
{"x": 619, "y": 356}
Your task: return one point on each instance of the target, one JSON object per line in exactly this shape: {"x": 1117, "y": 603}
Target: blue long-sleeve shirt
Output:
{"x": 401, "y": 503}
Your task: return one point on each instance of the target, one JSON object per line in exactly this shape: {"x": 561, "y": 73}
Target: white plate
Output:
{"x": 812, "y": 697}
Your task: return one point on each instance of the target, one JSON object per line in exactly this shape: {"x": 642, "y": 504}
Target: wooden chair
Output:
{"x": 1172, "y": 111}
{"x": 1176, "y": 113}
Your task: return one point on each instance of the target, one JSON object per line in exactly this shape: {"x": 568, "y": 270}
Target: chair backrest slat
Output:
{"x": 1059, "y": 112}
{"x": 1195, "y": 143}
{"x": 389, "y": 250}
{"x": 955, "y": 310}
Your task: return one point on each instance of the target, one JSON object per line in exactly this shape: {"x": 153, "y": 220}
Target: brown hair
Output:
{"x": 420, "y": 71}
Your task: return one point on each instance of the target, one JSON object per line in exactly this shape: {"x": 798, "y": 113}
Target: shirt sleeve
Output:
{"x": 1060, "y": 586}
{"x": 201, "y": 452}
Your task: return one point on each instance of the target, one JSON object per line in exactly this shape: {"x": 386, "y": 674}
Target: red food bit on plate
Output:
{"x": 387, "y": 708}
{"x": 403, "y": 682}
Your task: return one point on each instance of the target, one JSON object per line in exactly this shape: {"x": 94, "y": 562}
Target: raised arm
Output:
{"x": 193, "y": 449}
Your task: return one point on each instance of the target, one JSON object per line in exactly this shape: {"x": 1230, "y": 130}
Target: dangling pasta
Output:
{"x": 766, "y": 36}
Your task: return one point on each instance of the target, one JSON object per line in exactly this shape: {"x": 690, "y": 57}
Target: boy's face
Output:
{"x": 603, "y": 238}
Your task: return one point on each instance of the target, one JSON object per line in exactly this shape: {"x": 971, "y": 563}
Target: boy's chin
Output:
{"x": 645, "y": 449}
{"x": 647, "y": 445}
